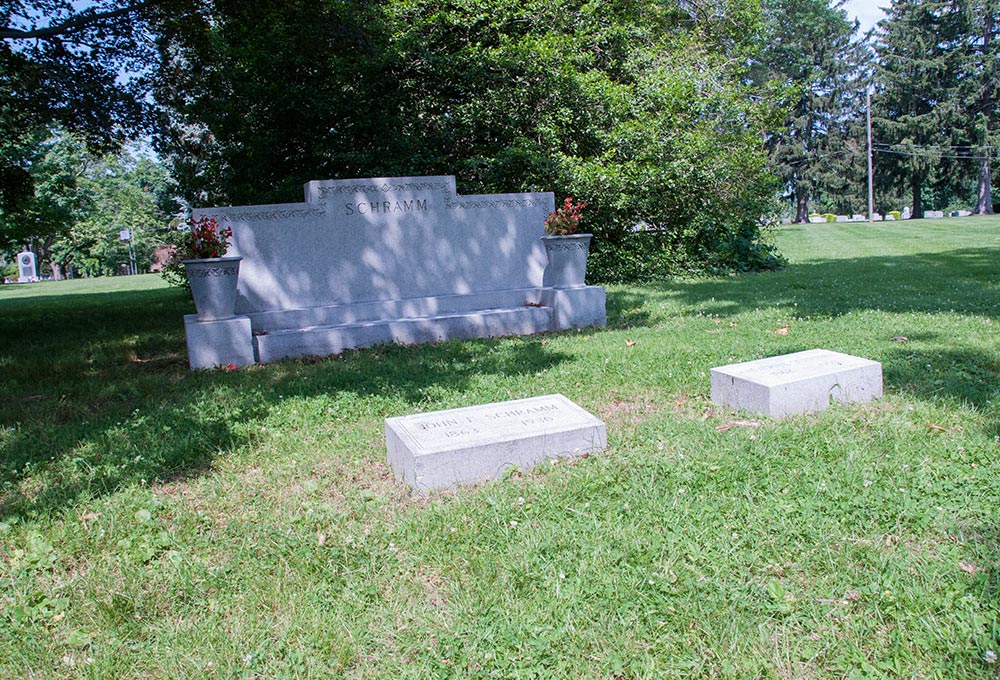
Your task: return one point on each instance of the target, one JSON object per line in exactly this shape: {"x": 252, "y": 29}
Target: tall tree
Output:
{"x": 129, "y": 191}
{"x": 918, "y": 112}
{"x": 70, "y": 66}
{"x": 813, "y": 51}
{"x": 981, "y": 87}
{"x": 60, "y": 199}
{"x": 81, "y": 201}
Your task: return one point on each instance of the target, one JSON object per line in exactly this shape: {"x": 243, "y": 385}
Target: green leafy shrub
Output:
{"x": 9, "y": 271}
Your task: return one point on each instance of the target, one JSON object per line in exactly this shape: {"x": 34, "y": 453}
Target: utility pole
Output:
{"x": 129, "y": 235}
{"x": 871, "y": 184}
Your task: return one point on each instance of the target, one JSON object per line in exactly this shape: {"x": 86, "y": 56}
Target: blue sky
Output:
{"x": 868, "y": 12}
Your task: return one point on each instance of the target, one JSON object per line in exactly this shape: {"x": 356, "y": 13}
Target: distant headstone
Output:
{"x": 26, "y": 269}
{"x": 469, "y": 445}
{"x": 816, "y": 219}
{"x": 858, "y": 218}
{"x": 843, "y": 218}
{"x": 802, "y": 382}
{"x": 906, "y": 213}
{"x": 933, "y": 214}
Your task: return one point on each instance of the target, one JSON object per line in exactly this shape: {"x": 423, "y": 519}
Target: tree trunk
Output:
{"x": 984, "y": 195}
{"x": 917, "y": 212}
{"x": 57, "y": 270}
{"x": 801, "y": 205}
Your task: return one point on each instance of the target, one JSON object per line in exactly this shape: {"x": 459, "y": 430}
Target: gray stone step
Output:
{"x": 407, "y": 308}
{"x": 334, "y": 339}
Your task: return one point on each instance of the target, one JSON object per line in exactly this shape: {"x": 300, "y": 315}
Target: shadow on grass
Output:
{"x": 98, "y": 395}
{"x": 627, "y": 308}
{"x": 966, "y": 280}
{"x": 960, "y": 376}
{"x": 984, "y": 541}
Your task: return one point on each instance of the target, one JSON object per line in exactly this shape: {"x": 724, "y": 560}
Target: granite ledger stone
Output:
{"x": 801, "y": 382}
{"x": 470, "y": 445}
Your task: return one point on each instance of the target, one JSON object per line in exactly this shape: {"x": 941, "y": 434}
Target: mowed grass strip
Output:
{"x": 157, "y": 522}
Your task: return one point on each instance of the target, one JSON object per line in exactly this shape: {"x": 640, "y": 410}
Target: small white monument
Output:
{"x": 470, "y": 445}
{"x": 802, "y": 382}
{"x": 26, "y": 269}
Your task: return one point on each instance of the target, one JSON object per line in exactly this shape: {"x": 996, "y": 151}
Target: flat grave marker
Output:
{"x": 469, "y": 445}
{"x": 801, "y": 382}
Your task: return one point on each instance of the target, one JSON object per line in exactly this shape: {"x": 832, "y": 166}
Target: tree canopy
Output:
{"x": 813, "y": 52}
{"x": 643, "y": 110}
{"x": 67, "y": 67}
{"x": 61, "y": 65}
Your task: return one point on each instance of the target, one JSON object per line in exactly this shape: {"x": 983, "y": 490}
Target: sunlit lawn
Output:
{"x": 157, "y": 522}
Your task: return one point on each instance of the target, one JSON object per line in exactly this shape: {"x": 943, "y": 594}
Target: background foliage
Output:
{"x": 79, "y": 203}
{"x": 640, "y": 109}
{"x": 679, "y": 123}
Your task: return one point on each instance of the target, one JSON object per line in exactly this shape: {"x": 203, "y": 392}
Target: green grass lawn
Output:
{"x": 157, "y": 522}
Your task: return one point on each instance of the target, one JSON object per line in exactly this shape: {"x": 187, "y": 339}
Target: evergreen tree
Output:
{"x": 918, "y": 113}
{"x": 811, "y": 49}
{"x": 981, "y": 88}
{"x": 842, "y": 175}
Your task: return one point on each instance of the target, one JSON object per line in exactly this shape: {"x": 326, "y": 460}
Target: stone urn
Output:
{"x": 567, "y": 267}
{"x": 213, "y": 286}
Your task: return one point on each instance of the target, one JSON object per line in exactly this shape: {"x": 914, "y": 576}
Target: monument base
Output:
{"x": 219, "y": 343}
{"x": 578, "y": 307}
{"x": 325, "y": 331}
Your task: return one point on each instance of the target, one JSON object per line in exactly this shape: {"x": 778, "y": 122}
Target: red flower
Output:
{"x": 206, "y": 239}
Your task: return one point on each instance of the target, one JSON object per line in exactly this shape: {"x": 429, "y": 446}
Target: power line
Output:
{"x": 938, "y": 146}
{"x": 928, "y": 154}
